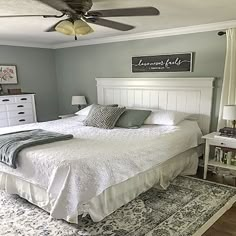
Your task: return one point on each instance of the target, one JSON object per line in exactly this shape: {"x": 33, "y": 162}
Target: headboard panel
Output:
{"x": 191, "y": 95}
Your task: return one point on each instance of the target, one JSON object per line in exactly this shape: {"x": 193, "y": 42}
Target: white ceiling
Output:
{"x": 174, "y": 14}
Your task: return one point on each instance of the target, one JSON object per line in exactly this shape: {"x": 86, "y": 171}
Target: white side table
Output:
{"x": 217, "y": 141}
{"x": 65, "y": 116}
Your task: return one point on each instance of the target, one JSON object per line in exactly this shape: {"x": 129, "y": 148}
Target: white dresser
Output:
{"x": 17, "y": 110}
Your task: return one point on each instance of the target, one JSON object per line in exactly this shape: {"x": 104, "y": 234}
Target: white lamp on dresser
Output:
{"x": 17, "y": 110}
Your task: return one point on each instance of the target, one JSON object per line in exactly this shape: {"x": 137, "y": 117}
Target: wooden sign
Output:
{"x": 163, "y": 63}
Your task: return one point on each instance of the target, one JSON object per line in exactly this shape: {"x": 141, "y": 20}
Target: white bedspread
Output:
{"x": 75, "y": 171}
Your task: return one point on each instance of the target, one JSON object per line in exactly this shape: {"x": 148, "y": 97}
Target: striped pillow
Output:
{"x": 103, "y": 116}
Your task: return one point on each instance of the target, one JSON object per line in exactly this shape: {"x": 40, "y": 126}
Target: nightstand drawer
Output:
{"x": 223, "y": 142}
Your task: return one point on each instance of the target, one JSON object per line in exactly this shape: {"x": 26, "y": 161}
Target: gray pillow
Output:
{"x": 132, "y": 118}
{"x": 103, "y": 116}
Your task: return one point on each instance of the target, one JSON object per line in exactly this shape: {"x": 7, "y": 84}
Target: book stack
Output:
{"x": 225, "y": 156}
{"x": 227, "y": 132}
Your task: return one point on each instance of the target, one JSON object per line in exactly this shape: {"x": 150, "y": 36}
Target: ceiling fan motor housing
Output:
{"x": 82, "y": 5}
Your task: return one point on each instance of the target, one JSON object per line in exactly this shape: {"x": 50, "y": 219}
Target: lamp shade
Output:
{"x": 82, "y": 28}
{"x": 78, "y": 100}
{"x": 229, "y": 112}
{"x": 69, "y": 27}
{"x": 65, "y": 27}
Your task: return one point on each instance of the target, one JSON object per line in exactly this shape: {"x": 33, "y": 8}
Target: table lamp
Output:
{"x": 79, "y": 101}
{"x": 229, "y": 113}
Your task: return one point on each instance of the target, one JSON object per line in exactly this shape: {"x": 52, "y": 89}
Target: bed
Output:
{"x": 100, "y": 170}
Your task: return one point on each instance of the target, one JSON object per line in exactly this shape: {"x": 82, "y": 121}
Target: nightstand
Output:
{"x": 65, "y": 116}
{"x": 217, "y": 141}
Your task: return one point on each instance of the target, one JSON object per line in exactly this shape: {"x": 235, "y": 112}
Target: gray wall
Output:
{"x": 78, "y": 67}
{"x": 36, "y": 73}
{"x": 55, "y": 75}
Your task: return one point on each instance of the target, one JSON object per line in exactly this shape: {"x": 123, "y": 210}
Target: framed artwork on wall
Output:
{"x": 177, "y": 62}
{"x": 8, "y": 74}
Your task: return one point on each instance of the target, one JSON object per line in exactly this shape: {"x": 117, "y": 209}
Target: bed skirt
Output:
{"x": 115, "y": 196}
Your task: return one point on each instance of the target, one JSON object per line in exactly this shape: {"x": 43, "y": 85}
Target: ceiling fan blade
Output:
{"x": 12, "y": 16}
{"x": 140, "y": 11}
{"x": 59, "y": 5}
{"x": 52, "y": 28}
{"x": 109, "y": 24}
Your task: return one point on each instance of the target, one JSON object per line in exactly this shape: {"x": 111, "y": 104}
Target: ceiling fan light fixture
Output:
{"x": 82, "y": 28}
{"x": 65, "y": 27}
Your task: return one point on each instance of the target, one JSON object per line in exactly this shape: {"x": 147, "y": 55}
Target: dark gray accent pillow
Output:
{"x": 132, "y": 118}
{"x": 103, "y": 116}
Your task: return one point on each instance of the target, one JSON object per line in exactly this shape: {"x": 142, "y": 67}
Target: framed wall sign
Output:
{"x": 177, "y": 62}
{"x": 8, "y": 74}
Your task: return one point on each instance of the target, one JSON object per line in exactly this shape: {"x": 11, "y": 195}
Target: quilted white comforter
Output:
{"x": 75, "y": 171}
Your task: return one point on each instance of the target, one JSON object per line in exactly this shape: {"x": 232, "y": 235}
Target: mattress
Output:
{"x": 76, "y": 171}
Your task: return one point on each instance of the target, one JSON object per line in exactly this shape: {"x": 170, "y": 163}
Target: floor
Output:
{"x": 226, "y": 225}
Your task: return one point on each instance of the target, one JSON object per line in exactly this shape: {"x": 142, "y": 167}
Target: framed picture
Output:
{"x": 8, "y": 74}
{"x": 177, "y": 62}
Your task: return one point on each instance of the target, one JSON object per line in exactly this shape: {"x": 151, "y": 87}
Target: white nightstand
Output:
{"x": 217, "y": 141}
{"x": 65, "y": 116}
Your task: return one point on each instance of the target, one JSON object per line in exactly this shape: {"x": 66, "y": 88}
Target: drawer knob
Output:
{"x": 22, "y": 120}
{"x": 20, "y": 106}
{"x": 23, "y": 99}
{"x": 21, "y": 113}
{"x": 222, "y": 144}
{"x": 5, "y": 100}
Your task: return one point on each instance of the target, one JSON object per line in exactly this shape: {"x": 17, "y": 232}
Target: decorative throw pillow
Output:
{"x": 85, "y": 111}
{"x": 103, "y": 116}
{"x": 132, "y": 118}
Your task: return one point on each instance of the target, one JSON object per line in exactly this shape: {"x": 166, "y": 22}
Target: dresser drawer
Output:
{"x": 3, "y": 108}
{"x": 3, "y": 123}
{"x": 21, "y": 120}
{"x": 19, "y": 106}
{"x": 3, "y": 115}
{"x": 20, "y": 113}
{"x": 23, "y": 99}
{"x": 6, "y": 100}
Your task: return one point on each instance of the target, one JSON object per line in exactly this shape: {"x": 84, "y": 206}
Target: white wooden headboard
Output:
{"x": 191, "y": 95}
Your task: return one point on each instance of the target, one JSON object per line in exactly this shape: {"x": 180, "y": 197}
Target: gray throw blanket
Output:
{"x": 12, "y": 143}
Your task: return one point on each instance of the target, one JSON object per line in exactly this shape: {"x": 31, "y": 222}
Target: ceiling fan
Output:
{"x": 79, "y": 14}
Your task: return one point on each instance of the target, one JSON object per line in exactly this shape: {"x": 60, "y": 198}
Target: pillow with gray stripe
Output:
{"x": 103, "y": 116}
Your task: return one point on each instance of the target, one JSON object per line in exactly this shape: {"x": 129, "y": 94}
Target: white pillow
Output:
{"x": 162, "y": 117}
{"x": 84, "y": 111}
{"x": 80, "y": 118}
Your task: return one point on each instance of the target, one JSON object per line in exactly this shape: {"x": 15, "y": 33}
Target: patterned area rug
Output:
{"x": 181, "y": 210}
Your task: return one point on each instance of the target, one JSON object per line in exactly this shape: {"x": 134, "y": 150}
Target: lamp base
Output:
{"x": 81, "y": 107}
{"x": 233, "y": 124}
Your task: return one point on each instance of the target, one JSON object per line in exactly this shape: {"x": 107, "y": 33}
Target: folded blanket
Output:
{"x": 12, "y": 143}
